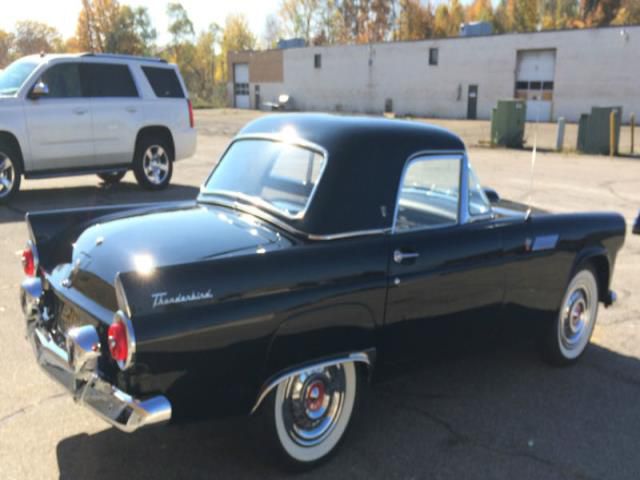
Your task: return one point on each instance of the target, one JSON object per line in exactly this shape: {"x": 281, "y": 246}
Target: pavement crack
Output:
{"x": 463, "y": 438}
{"x": 22, "y": 410}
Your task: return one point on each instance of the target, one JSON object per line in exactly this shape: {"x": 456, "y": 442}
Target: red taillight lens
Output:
{"x": 117, "y": 338}
{"x": 191, "y": 121}
{"x": 28, "y": 262}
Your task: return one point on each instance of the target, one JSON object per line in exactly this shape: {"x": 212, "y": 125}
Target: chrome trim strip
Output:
{"x": 433, "y": 155}
{"x": 358, "y": 357}
{"x": 278, "y": 138}
{"x": 121, "y": 296}
{"x": 262, "y": 215}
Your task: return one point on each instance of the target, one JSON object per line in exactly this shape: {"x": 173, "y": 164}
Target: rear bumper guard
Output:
{"x": 75, "y": 368}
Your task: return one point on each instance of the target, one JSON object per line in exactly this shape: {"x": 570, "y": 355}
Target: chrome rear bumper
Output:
{"x": 75, "y": 367}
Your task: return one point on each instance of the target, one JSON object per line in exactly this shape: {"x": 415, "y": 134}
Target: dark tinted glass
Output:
{"x": 433, "y": 56}
{"x": 522, "y": 85}
{"x": 63, "y": 80}
{"x": 535, "y": 85}
{"x": 164, "y": 82}
{"x": 109, "y": 80}
{"x": 547, "y": 85}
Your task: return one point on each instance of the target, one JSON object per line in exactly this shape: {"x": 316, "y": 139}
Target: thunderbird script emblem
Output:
{"x": 162, "y": 299}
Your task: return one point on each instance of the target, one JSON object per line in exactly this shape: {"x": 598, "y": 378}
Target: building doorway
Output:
{"x": 472, "y": 102}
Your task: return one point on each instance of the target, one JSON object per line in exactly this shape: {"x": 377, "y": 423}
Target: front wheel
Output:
{"x": 570, "y": 333}
{"x": 309, "y": 413}
{"x": 153, "y": 163}
{"x": 10, "y": 174}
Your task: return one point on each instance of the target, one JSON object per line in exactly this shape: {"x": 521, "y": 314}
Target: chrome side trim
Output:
{"x": 356, "y": 357}
{"x": 278, "y": 138}
{"x": 262, "y": 215}
{"x": 121, "y": 296}
{"x": 463, "y": 206}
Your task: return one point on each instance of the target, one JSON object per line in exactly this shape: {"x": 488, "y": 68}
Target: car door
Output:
{"x": 59, "y": 123}
{"x": 445, "y": 276}
{"x": 117, "y": 111}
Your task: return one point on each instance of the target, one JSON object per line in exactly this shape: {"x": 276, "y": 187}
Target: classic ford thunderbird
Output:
{"x": 320, "y": 250}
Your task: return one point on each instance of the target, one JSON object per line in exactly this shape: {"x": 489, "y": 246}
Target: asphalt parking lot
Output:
{"x": 495, "y": 412}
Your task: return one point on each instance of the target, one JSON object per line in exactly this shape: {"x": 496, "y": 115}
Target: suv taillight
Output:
{"x": 29, "y": 262}
{"x": 191, "y": 121}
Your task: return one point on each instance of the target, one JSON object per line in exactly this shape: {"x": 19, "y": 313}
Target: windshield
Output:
{"x": 12, "y": 78}
{"x": 270, "y": 174}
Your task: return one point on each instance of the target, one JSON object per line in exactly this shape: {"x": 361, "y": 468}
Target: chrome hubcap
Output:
{"x": 7, "y": 175}
{"x": 155, "y": 163}
{"x": 313, "y": 403}
{"x": 576, "y": 319}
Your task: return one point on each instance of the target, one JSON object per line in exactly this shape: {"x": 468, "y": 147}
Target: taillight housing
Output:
{"x": 192, "y": 122}
{"x": 30, "y": 260}
{"x": 121, "y": 340}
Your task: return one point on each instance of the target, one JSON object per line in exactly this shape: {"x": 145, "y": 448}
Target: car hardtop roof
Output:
{"x": 366, "y": 157}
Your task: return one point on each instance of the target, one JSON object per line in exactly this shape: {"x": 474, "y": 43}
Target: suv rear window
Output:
{"x": 109, "y": 80}
{"x": 164, "y": 82}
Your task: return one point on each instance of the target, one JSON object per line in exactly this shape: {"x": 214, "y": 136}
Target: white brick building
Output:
{"x": 560, "y": 73}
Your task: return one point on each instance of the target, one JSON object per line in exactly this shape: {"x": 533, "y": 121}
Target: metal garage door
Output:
{"x": 241, "y": 85}
{"x": 534, "y": 82}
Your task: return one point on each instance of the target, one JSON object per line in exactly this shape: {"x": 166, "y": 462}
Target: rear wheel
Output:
{"x": 570, "y": 333}
{"x": 153, "y": 163}
{"x": 308, "y": 414}
{"x": 112, "y": 177}
{"x": 10, "y": 173}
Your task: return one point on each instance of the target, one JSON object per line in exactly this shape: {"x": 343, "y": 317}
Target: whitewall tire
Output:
{"x": 310, "y": 413}
{"x": 570, "y": 333}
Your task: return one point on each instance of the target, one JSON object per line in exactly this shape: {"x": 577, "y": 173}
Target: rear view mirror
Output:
{"x": 40, "y": 89}
{"x": 491, "y": 194}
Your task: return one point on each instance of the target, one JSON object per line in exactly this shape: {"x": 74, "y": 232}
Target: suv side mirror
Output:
{"x": 40, "y": 89}
{"x": 636, "y": 225}
{"x": 491, "y": 194}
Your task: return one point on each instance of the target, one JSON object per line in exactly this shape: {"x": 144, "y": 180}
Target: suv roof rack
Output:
{"x": 119, "y": 56}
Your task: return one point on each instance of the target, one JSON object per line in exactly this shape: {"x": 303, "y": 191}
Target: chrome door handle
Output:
{"x": 80, "y": 111}
{"x": 399, "y": 256}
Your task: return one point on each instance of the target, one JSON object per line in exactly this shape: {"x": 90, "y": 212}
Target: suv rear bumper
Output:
{"x": 75, "y": 368}
{"x": 185, "y": 142}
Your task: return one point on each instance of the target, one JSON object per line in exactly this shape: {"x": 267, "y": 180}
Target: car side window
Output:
{"x": 109, "y": 80}
{"x": 63, "y": 80}
{"x": 479, "y": 204}
{"x": 429, "y": 194}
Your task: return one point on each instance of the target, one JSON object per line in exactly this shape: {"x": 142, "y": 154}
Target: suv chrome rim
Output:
{"x": 7, "y": 175}
{"x": 155, "y": 163}
{"x": 578, "y": 315}
{"x": 313, "y": 404}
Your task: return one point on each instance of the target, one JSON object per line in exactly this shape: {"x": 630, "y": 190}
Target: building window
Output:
{"x": 433, "y": 56}
{"x": 317, "y": 60}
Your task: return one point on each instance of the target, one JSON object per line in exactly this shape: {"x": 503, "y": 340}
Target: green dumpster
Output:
{"x": 507, "y": 123}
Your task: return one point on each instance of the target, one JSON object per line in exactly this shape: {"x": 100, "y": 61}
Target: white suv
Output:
{"x": 92, "y": 113}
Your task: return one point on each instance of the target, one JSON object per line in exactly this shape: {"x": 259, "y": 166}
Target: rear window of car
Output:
{"x": 164, "y": 82}
{"x": 110, "y": 80}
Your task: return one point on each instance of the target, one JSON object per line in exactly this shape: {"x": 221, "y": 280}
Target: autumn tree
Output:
{"x": 299, "y": 17}
{"x": 628, "y": 14}
{"x": 6, "y": 45}
{"x": 236, "y": 36}
{"x": 415, "y": 21}
{"x": 448, "y": 18}
{"x": 35, "y": 37}
{"x": 272, "y": 31}
{"x": 480, "y": 11}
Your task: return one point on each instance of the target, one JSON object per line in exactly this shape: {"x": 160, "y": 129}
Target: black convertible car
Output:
{"x": 320, "y": 249}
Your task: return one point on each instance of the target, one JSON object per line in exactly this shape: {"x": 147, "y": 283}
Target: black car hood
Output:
{"x": 168, "y": 236}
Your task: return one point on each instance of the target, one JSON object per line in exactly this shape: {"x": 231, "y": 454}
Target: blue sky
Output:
{"x": 62, "y": 14}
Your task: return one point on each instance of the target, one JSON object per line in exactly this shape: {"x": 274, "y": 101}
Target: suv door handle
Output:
{"x": 80, "y": 111}
{"x": 399, "y": 256}
{"x": 131, "y": 109}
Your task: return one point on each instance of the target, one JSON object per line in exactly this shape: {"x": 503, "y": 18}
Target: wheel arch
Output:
{"x": 6, "y": 136}
{"x": 364, "y": 359}
{"x": 159, "y": 130}
{"x": 598, "y": 259}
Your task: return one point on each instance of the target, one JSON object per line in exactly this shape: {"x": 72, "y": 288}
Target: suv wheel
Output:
{"x": 112, "y": 178}
{"x": 153, "y": 163}
{"x": 10, "y": 173}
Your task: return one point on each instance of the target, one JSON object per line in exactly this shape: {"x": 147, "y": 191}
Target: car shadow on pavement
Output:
{"x": 89, "y": 196}
{"x": 493, "y": 413}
